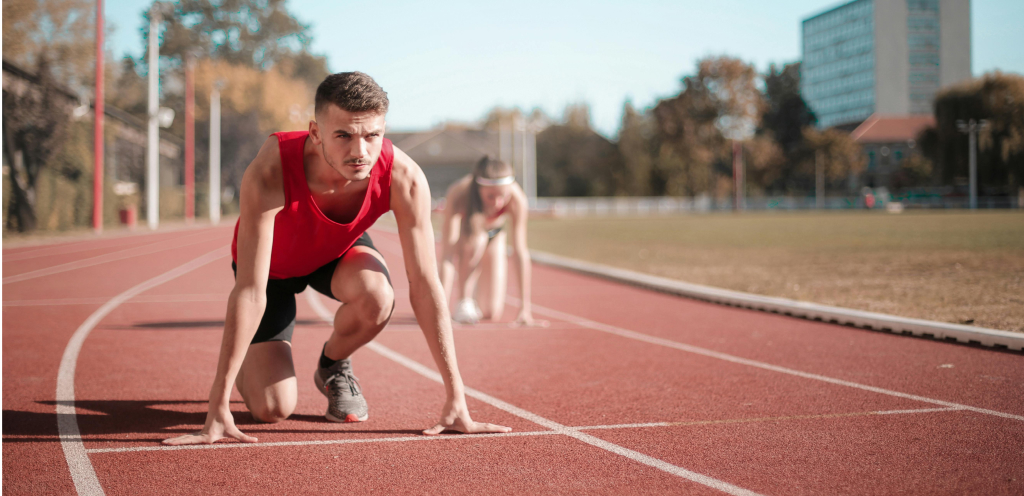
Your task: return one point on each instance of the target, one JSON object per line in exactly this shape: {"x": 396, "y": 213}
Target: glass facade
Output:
{"x": 838, "y": 71}
{"x": 923, "y": 44}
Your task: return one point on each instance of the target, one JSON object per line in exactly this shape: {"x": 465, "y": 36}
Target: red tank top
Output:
{"x": 304, "y": 238}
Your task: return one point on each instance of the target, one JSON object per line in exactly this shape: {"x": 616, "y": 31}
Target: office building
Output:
{"x": 883, "y": 56}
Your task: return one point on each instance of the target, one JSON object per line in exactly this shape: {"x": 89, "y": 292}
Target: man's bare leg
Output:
{"x": 361, "y": 283}
{"x": 493, "y": 271}
{"x": 267, "y": 381}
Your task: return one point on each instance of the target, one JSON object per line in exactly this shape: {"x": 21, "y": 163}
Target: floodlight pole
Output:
{"x": 215, "y": 153}
{"x": 737, "y": 175}
{"x": 530, "y": 167}
{"x": 97, "y": 175}
{"x": 153, "y": 132}
{"x": 819, "y": 180}
{"x": 971, "y": 127}
{"x": 190, "y": 140}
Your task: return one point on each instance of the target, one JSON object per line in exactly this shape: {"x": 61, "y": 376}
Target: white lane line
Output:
{"x": 186, "y": 298}
{"x": 765, "y": 419}
{"x": 327, "y": 315}
{"x": 320, "y": 442}
{"x": 28, "y": 255}
{"x": 230, "y": 445}
{"x": 102, "y": 259}
{"x": 618, "y": 331}
{"x": 81, "y": 469}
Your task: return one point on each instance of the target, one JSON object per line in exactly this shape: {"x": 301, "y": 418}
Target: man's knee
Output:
{"x": 375, "y": 304}
{"x": 273, "y": 413}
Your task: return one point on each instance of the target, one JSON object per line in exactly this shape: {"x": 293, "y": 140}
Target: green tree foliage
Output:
{"x": 248, "y": 33}
{"x": 841, "y": 157}
{"x": 996, "y": 97}
{"x": 53, "y": 41}
{"x": 573, "y": 160}
{"x": 718, "y": 103}
{"x": 779, "y": 145}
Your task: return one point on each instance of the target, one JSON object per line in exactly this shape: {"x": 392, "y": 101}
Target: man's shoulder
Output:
{"x": 265, "y": 171}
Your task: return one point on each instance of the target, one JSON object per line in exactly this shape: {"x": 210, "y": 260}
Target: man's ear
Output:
{"x": 314, "y": 133}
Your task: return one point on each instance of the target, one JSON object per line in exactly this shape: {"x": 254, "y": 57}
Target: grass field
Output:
{"x": 958, "y": 267}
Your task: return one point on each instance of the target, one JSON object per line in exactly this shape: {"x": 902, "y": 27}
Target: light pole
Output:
{"x": 97, "y": 178}
{"x": 971, "y": 127}
{"x": 153, "y": 132}
{"x": 215, "y": 152}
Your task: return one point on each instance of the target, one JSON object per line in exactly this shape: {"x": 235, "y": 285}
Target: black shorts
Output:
{"x": 278, "y": 321}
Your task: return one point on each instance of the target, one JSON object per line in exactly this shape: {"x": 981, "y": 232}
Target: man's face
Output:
{"x": 349, "y": 141}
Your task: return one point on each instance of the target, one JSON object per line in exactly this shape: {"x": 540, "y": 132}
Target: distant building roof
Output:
{"x": 891, "y": 128}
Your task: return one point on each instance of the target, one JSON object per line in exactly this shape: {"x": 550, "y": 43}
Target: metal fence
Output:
{"x": 640, "y": 206}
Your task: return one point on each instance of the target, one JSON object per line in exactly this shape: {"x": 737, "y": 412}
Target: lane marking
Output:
{"x": 768, "y": 419}
{"x": 28, "y": 255}
{"x": 186, "y": 298}
{"x": 230, "y": 445}
{"x": 325, "y": 314}
{"x": 82, "y": 472}
{"x": 320, "y": 442}
{"x": 116, "y": 256}
{"x": 618, "y": 331}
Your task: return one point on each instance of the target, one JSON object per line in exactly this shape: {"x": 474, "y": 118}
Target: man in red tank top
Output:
{"x": 306, "y": 202}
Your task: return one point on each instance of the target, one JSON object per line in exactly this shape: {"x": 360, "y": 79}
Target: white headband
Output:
{"x": 498, "y": 181}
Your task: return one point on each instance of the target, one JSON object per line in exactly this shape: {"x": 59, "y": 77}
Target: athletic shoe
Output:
{"x": 466, "y": 312}
{"x": 345, "y": 401}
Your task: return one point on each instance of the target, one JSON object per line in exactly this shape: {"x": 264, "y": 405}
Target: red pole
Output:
{"x": 190, "y": 155}
{"x": 97, "y": 176}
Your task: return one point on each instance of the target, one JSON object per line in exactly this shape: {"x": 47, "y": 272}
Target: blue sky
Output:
{"x": 455, "y": 60}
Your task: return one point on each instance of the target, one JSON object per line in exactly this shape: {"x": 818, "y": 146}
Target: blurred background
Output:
{"x": 862, "y": 118}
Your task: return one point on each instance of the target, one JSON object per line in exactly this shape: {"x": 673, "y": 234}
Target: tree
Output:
{"x": 720, "y": 102}
{"x": 35, "y": 122}
{"x": 573, "y": 160}
{"x": 54, "y": 40}
{"x": 638, "y": 149}
{"x": 248, "y": 33}
{"x": 996, "y": 97}
{"x": 841, "y": 157}
{"x": 785, "y": 118}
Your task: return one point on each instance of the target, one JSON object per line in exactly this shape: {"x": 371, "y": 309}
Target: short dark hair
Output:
{"x": 352, "y": 92}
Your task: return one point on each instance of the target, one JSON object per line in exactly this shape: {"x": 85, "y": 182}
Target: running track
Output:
{"x": 110, "y": 345}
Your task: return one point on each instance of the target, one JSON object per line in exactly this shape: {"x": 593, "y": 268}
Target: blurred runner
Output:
{"x": 477, "y": 209}
{"x": 307, "y": 200}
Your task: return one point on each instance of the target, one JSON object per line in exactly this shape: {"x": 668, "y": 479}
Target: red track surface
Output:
{"x": 726, "y": 398}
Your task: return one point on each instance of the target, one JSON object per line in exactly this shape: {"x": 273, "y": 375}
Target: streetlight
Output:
{"x": 215, "y": 151}
{"x": 971, "y": 128}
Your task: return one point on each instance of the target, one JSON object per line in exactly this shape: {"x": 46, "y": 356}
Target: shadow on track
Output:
{"x": 134, "y": 421}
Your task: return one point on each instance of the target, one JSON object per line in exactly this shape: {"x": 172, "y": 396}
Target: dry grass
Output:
{"x": 958, "y": 267}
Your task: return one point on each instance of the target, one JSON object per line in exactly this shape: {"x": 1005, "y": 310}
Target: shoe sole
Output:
{"x": 350, "y": 418}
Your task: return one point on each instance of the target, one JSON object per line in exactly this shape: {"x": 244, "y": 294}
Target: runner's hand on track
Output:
{"x": 457, "y": 418}
{"x": 527, "y": 320}
{"x": 218, "y": 426}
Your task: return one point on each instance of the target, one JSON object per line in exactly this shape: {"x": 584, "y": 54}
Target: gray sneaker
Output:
{"x": 345, "y": 401}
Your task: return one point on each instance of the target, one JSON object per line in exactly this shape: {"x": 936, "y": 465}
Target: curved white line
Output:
{"x": 81, "y": 469}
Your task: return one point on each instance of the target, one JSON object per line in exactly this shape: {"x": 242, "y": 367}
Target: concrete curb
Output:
{"x": 810, "y": 311}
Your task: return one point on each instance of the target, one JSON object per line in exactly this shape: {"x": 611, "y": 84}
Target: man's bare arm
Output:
{"x": 410, "y": 200}
{"x": 261, "y": 197}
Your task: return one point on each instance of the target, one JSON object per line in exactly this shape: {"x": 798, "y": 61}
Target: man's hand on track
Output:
{"x": 218, "y": 426}
{"x": 457, "y": 418}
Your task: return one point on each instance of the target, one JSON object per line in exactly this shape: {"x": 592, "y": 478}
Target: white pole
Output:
{"x": 518, "y": 148}
{"x": 973, "y": 154}
{"x": 530, "y": 172}
{"x": 819, "y": 180}
{"x": 153, "y": 132}
{"x": 215, "y": 155}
